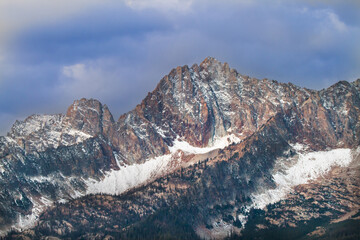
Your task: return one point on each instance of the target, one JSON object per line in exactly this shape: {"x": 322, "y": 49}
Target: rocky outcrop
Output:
{"x": 91, "y": 117}
{"x": 30, "y": 182}
{"x": 84, "y": 119}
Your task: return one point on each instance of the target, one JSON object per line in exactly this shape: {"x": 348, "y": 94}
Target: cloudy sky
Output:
{"x": 53, "y": 52}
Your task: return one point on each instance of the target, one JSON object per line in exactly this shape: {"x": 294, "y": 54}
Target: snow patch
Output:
{"x": 77, "y": 133}
{"x": 117, "y": 159}
{"x": 219, "y": 143}
{"x": 28, "y": 221}
{"x": 62, "y": 201}
{"x": 299, "y": 147}
{"x": 160, "y": 131}
{"x": 308, "y": 166}
{"x": 130, "y": 176}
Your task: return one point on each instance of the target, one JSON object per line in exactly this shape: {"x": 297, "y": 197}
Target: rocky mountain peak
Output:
{"x": 356, "y": 84}
{"x": 90, "y": 116}
{"x": 85, "y": 118}
{"x": 213, "y": 69}
{"x": 33, "y": 124}
{"x": 208, "y": 61}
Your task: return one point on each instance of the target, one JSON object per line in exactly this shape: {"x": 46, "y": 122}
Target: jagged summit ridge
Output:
{"x": 90, "y": 116}
{"x": 200, "y": 104}
{"x": 39, "y": 132}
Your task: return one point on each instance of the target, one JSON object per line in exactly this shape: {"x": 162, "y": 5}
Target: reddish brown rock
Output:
{"x": 91, "y": 117}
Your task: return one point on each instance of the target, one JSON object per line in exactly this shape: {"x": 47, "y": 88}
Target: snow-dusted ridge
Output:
{"x": 130, "y": 176}
{"x": 45, "y": 131}
{"x": 300, "y": 169}
{"x": 308, "y": 167}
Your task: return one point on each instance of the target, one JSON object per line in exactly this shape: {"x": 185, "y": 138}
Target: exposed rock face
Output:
{"x": 91, "y": 117}
{"x": 32, "y": 181}
{"x": 52, "y": 158}
{"x": 37, "y": 133}
{"x": 84, "y": 119}
{"x": 205, "y": 102}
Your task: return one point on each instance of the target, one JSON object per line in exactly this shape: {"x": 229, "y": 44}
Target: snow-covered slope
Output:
{"x": 299, "y": 169}
{"x": 130, "y": 176}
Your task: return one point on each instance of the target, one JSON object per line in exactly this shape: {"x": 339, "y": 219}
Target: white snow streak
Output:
{"x": 309, "y": 166}
{"x": 219, "y": 143}
{"x": 129, "y": 176}
{"x": 28, "y": 221}
{"x": 118, "y": 181}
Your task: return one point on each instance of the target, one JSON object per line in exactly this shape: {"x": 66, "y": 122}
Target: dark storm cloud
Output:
{"x": 117, "y": 54}
{"x": 99, "y": 33}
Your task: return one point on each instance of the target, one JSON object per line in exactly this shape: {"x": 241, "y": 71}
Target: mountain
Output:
{"x": 208, "y": 152}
